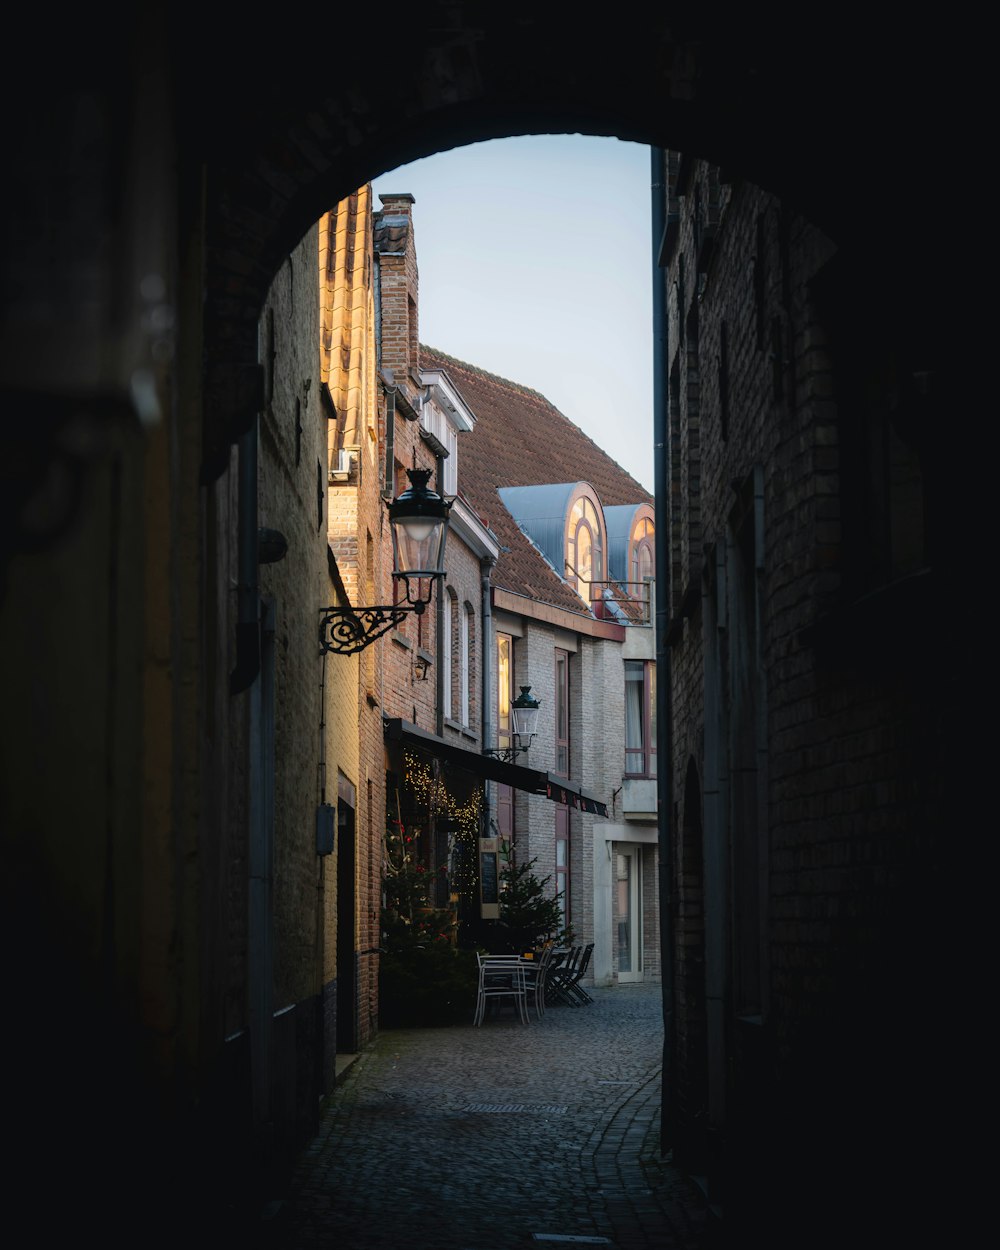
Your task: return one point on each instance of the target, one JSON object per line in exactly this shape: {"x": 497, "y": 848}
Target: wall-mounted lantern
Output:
{"x": 419, "y": 521}
{"x": 524, "y": 714}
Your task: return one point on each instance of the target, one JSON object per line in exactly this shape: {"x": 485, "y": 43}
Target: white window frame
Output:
{"x": 464, "y": 625}
{"x": 451, "y": 461}
{"x": 446, "y": 654}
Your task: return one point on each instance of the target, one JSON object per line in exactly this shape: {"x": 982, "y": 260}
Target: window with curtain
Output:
{"x": 562, "y": 713}
{"x": 640, "y": 718}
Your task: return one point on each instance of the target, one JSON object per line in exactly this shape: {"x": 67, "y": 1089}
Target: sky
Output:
{"x": 534, "y": 261}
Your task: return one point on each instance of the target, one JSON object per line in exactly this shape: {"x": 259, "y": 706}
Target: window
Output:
{"x": 446, "y": 652}
{"x": 584, "y": 547}
{"x": 451, "y": 463}
{"x": 562, "y": 862}
{"x": 465, "y": 645}
{"x": 505, "y": 692}
{"x": 640, "y": 718}
{"x": 562, "y": 713}
{"x": 505, "y": 687}
{"x": 641, "y": 552}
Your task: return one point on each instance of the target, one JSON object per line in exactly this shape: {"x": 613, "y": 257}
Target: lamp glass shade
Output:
{"x": 524, "y": 711}
{"x": 418, "y": 548}
{"x": 419, "y": 519}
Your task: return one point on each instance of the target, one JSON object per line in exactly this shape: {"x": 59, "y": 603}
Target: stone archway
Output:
{"x": 277, "y": 141}
{"x": 237, "y": 140}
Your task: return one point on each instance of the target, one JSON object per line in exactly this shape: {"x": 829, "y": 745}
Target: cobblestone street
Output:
{"x": 497, "y": 1137}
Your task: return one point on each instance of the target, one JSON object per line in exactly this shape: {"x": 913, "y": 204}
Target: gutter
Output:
{"x": 579, "y": 623}
{"x": 664, "y": 748}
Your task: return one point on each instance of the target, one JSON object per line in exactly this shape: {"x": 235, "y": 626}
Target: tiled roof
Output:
{"x": 389, "y": 232}
{"x": 521, "y": 439}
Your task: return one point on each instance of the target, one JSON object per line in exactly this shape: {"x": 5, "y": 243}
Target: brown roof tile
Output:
{"x": 521, "y": 439}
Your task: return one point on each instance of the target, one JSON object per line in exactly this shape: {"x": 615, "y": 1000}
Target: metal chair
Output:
{"x": 501, "y": 977}
{"x": 573, "y": 986}
{"x": 535, "y": 976}
{"x": 560, "y": 976}
{"x": 564, "y": 979}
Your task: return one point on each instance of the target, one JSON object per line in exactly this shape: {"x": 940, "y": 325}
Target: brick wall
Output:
{"x": 813, "y": 746}
{"x": 355, "y": 689}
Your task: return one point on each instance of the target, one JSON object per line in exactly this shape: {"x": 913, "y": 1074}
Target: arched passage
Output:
{"x": 270, "y": 146}
{"x": 222, "y": 147}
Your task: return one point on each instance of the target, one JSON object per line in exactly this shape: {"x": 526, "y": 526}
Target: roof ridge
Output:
{"x": 485, "y": 373}
{"x": 527, "y": 390}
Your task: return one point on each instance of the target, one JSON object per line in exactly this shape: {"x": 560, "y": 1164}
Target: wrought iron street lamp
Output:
{"x": 419, "y": 521}
{"x": 524, "y": 714}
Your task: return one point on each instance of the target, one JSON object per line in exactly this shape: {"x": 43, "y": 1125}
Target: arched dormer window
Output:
{"x": 585, "y": 543}
{"x": 641, "y": 550}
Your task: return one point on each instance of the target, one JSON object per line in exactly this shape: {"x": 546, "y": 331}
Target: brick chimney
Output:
{"x": 394, "y": 243}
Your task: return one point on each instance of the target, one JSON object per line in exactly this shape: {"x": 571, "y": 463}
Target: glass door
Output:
{"x": 628, "y": 911}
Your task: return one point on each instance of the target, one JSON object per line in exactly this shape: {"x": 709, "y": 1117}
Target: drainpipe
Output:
{"x": 486, "y": 669}
{"x": 486, "y": 574}
{"x": 248, "y": 602}
{"x": 661, "y": 490}
{"x": 439, "y": 626}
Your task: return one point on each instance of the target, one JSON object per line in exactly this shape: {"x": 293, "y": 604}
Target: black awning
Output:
{"x": 531, "y": 780}
{"x": 562, "y": 790}
{"x": 486, "y": 766}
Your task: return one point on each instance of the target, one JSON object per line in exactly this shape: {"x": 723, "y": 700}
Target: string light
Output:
{"x": 464, "y": 817}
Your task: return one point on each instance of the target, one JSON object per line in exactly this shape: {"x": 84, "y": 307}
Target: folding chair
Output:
{"x": 573, "y": 986}
{"x": 560, "y": 976}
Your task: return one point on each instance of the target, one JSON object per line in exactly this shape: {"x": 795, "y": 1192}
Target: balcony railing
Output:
{"x": 626, "y": 603}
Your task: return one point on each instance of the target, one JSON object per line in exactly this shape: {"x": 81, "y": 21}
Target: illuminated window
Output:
{"x": 642, "y": 556}
{"x": 505, "y": 687}
{"x": 584, "y": 547}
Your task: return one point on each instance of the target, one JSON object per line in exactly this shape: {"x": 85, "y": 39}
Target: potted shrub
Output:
{"x": 529, "y": 916}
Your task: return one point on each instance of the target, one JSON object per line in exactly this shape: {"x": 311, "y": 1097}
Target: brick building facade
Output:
{"x": 543, "y": 484}
{"x": 804, "y": 731}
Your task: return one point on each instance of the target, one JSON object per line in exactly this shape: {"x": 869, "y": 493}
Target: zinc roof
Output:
{"x": 521, "y": 439}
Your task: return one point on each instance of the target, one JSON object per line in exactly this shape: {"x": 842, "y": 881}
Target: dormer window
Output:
{"x": 642, "y": 556}
{"x": 443, "y": 416}
{"x": 584, "y": 547}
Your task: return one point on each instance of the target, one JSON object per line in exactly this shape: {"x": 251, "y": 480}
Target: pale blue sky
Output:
{"x": 534, "y": 258}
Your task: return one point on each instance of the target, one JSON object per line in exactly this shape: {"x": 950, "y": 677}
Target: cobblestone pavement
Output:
{"x": 485, "y": 1138}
